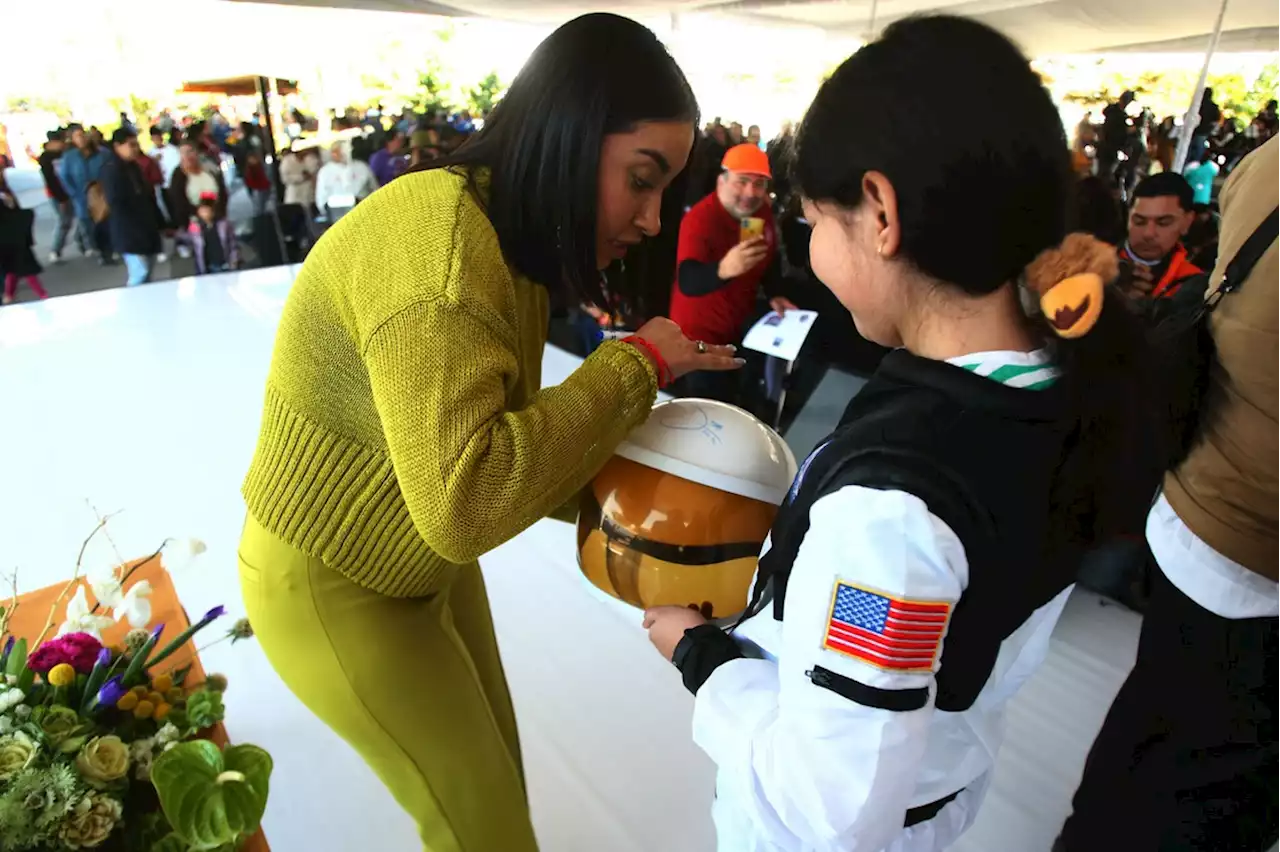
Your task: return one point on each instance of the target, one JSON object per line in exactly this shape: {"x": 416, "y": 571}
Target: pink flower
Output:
{"x": 79, "y": 650}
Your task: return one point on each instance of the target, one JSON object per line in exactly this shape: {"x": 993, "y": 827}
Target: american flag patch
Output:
{"x": 894, "y": 634}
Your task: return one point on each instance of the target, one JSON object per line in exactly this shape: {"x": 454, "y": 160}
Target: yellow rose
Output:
{"x": 90, "y": 822}
{"x": 103, "y": 760}
{"x": 17, "y": 750}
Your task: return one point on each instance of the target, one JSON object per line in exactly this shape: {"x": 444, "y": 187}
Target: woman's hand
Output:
{"x": 667, "y": 624}
{"x": 682, "y": 354}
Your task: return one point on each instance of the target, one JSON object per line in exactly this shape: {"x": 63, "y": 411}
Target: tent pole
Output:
{"x": 1192, "y": 121}
{"x": 271, "y": 163}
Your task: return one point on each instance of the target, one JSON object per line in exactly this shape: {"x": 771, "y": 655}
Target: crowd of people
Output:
{"x": 190, "y": 169}
{"x": 1130, "y": 142}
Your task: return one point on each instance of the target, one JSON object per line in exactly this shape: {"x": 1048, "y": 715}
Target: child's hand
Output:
{"x": 667, "y": 624}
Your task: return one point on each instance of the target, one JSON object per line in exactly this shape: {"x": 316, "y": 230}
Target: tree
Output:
{"x": 1263, "y": 90}
{"x": 482, "y": 97}
{"x": 433, "y": 91}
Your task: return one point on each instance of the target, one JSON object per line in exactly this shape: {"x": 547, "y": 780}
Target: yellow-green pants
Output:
{"x": 415, "y": 685}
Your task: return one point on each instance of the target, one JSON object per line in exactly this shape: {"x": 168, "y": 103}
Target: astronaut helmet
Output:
{"x": 679, "y": 514}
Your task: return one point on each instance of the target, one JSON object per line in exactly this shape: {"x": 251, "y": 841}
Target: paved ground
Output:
{"x": 81, "y": 274}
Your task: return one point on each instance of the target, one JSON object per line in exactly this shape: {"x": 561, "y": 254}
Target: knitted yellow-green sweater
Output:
{"x": 404, "y": 430}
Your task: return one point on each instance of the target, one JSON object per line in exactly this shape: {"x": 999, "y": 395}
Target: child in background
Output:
{"x": 16, "y": 258}
{"x": 213, "y": 241}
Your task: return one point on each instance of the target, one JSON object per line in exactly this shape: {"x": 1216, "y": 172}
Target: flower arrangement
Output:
{"x": 104, "y": 747}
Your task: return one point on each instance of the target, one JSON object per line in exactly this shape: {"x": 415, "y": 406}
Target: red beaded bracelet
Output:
{"x": 665, "y": 376}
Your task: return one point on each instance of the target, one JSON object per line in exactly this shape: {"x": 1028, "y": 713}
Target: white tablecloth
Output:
{"x": 148, "y": 400}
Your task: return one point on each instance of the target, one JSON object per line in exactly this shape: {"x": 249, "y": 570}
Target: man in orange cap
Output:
{"x": 728, "y": 249}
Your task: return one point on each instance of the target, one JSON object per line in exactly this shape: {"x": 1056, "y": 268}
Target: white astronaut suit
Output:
{"x": 823, "y": 718}
{"x": 805, "y": 769}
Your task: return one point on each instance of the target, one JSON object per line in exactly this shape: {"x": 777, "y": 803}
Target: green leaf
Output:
{"x": 171, "y": 842}
{"x": 210, "y": 797}
{"x": 17, "y": 658}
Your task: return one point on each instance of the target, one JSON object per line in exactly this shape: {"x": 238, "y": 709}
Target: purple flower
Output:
{"x": 217, "y": 612}
{"x": 104, "y": 658}
{"x": 155, "y": 634}
{"x": 8, "y": 646}
{"x": 111, "y": 692}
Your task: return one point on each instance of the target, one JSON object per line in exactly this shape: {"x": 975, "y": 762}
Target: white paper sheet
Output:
{"x": 781, "y": 336}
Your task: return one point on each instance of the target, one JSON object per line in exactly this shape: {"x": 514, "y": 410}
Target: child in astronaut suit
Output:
{"x": 927, "y": 547}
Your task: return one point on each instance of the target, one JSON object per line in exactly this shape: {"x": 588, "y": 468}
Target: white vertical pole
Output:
{"x": 1192, "y": 120}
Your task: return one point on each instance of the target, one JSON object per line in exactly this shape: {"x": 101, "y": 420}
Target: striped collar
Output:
{"x": 1030, "y": 370}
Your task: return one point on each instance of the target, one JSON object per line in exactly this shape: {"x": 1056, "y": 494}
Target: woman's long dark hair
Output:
{"x": 950, "y": 111}
{"x": 596, "y": 75}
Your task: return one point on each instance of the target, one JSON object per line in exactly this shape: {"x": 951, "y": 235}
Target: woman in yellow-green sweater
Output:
{"x": 405, "y": 434}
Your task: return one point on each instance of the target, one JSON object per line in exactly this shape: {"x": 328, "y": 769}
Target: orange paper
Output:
{"x": 32, "y": 613}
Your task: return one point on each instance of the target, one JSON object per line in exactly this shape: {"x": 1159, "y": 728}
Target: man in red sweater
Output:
{"x": 720, "y": 267}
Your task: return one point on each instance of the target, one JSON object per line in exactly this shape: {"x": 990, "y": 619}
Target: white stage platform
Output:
{"x": 148, "y": 400}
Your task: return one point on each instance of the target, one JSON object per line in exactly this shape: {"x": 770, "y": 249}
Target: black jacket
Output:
{"x": 48, "y": 169}
{"x": 135, "y": 219}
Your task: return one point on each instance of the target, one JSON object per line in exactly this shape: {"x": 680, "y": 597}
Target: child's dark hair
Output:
{"x": 950, "y": 111}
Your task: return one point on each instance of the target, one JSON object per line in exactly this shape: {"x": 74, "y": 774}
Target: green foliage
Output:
{"x": 482, "y": 96}
{"x": 212, "y": 798}
{"x": 17, "y": 658}
{"x": 433, "y": 89}
{"x": 1229, "y": 92}
{"x": 1262, "y": 90}
{"x": 38, "y": 103}
{"x": 35, "y": 803}
{"x": 204, "y": 708}
{"x": 170, "y": 843}
{"x": 1170, "y": 92}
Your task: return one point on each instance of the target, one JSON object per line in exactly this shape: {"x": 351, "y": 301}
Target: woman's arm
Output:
{"x": 473, "y": 473}
{"x": 822, "y": 748}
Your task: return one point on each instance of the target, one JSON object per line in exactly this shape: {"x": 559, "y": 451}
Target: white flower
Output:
{"x": 181, "y": 551}
{"x": 81, "y": 620}
{"x": 168, "y": 746}
{"x": 6, "y": 724}
{"x": 167, "y": 734}
{"x": 135, "y": 605}
{"x": 22, "y": 711}
{"x": 104, "y": 579}
{"x": 10, "y": 680}
{"x": 11, "y": 698}
{"x": 141, "y": 753}
{"x": 107, "y": 590}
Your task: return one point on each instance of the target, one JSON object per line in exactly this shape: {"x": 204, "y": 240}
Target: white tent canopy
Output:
{"x": 1040, "y": 26}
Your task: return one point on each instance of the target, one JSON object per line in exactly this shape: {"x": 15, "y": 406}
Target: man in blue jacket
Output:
{"x": 79, "y": 168}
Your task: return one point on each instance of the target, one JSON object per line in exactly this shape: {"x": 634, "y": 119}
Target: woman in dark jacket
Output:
{"x": 135, "y": 220}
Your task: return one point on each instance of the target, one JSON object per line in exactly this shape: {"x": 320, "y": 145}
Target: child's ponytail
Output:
{"x": 1112, "y": 465}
